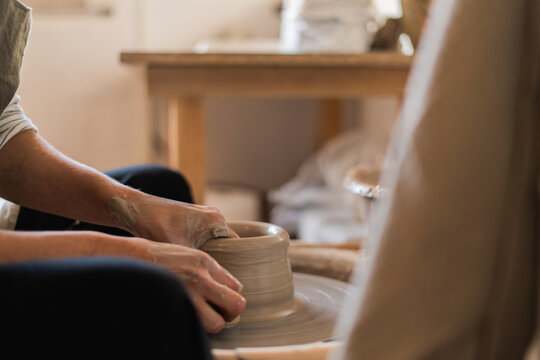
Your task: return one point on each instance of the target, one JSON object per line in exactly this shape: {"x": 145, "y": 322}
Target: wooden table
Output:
{"x": 185, "y": 79}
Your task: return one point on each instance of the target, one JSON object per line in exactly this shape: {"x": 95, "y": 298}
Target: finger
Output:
{"x": 229, "y": 304}
{"x": 222, "y": 275}
{"x": 210, "y": 319}
{"x": 220, "y": 232}
{"x": 202, "y": 237}
{"x": 228, "y": 301}
{"x": 232, "y": 233}
{"x": 212, "y": 212}
{"x": 219, "y": 214}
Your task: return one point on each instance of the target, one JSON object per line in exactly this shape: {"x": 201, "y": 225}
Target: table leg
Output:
{"x": 330, "y": 120}
{"x": 187, "y": 147}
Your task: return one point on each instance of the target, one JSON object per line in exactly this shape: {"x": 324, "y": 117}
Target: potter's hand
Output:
{"x": 207, "y": 282}
{"x": 169, "y": 221}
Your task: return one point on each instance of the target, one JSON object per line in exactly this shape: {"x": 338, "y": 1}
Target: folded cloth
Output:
{"x": 453, "y": 274}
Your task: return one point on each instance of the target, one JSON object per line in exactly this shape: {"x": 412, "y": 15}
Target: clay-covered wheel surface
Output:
{"x": 319, "y": 300}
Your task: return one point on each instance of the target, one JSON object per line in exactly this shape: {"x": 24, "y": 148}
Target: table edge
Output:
{"x": 168, "y": 59}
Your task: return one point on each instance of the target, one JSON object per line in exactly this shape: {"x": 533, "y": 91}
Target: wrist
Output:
{"x": 122, "y": 246}
{"x": 125, "y": 211}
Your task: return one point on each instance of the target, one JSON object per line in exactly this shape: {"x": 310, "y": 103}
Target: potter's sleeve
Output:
{"x": 452, "y": 270}
{"x": 13, "y": 121}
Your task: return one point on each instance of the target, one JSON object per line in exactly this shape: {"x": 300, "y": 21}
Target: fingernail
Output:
{"x": 220, "y": 232}
{"x": 232, "y": 323}
{"x": 240, "y": 287}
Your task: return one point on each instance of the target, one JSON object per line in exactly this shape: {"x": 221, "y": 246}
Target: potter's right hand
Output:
{"x": 207, "y": 282}
{"x": 168, "y": 221}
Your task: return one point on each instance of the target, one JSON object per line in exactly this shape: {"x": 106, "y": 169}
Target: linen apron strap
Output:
{"x": 14, "y": 29}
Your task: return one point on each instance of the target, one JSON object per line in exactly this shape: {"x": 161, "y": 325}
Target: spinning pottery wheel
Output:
{"x": 282, "y": 308}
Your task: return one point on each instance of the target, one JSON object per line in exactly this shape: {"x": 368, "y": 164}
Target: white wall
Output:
{"x": 74, "y": 88}
{"x": 173, "y": 24}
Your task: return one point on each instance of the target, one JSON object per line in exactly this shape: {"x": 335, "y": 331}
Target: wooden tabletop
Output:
{"x": 181, "y": 74}
{"x": 372, "y": 59}
{"x": 185, "y": 79}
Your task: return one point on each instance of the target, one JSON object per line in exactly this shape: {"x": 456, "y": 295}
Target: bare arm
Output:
{"x": 205, "y": 279}
{"x": 34, "y": 174}
{"x": 16, "y": 246}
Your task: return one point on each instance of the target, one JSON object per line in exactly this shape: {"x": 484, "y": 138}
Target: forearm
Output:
{"x": 35, "y": 175}
{"x": 18, "y": 246}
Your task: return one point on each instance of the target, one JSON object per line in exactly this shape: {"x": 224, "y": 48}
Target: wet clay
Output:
{"x": 124, "y": 212}
{"x": 258, "y": 259}
{"x": 281, "y": 309}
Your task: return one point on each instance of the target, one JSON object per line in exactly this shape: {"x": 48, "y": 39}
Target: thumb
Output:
{"x": 213, "y": 232}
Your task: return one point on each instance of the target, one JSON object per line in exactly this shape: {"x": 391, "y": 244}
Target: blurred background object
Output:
{"x": 58, "y": 5}
{"x": 364, "y": 181}
{"x": 401, "y": 31}
{"x": 345, "y": 26}
{"x": 314, "y": 205}
{"x": 96, "y": 7}
{"x": 414, "y": 15}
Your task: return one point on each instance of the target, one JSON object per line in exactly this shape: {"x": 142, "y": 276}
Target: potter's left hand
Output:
{"x": 169, "y": 221}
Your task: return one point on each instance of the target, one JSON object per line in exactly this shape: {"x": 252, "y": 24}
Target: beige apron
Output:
{"x": 14, "y": 29}
{"x": 454, "y": 270}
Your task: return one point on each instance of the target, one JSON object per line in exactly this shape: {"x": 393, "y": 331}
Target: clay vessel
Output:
{"x": 259, "y": 260}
